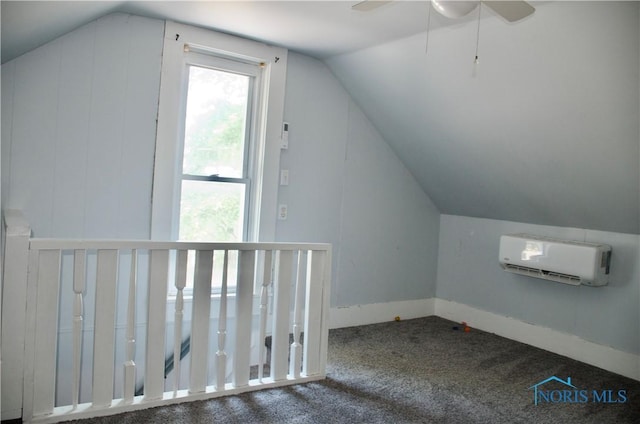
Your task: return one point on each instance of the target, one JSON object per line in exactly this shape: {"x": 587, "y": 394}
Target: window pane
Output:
{"x": 212, "y": 211}
{"x": 218, "y": 266}
{"x": 215, "y": 123}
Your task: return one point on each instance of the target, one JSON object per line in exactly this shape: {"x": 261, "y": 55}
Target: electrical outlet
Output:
{"x": 282, "y": 212}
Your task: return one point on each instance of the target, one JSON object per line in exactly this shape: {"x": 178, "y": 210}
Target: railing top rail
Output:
{"x": 70, "y": 244}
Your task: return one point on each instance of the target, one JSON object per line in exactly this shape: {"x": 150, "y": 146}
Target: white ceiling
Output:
{"x": 316, "y": 28}
{"x": 544, "y": 130}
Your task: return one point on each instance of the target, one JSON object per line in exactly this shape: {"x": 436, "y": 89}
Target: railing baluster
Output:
{"x": 46, "y": 331}
{"x": 267, "y": 278}
{"x": 315, "y": 325}
{"x": 156, "y": 322}
{"x": 103, "y": 342}
{"x": 130, "y": 365}
{"x": 244, "y": 300}
{"x": 221, "y": 355}
{"x": 181, "y": 282}
{"x": 201, "y": 314}
{"x": 281, "y": 303}
{"x": 295, "y": 357}
{"x": 79, "y": 276}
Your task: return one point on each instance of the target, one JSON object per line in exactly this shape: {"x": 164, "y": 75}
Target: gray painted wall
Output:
{"x": 543, "y": 130}
{"x": 78, "y": 140}
{"x": 348, "y": 187}
{"x": 469, "y": 273}
{"x": 78, "y": 130}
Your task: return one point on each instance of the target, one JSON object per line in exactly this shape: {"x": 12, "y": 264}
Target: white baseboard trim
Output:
{"x": 574, "y": 347}
{"x": 351, "y": 316}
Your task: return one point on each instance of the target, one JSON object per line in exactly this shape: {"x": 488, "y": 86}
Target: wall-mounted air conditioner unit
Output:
{"x": 569, "y": 262}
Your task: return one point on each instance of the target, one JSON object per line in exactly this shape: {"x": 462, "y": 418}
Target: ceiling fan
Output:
{"x": 510, "y": 10}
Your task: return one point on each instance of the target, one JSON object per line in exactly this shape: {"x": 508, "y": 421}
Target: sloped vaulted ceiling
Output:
{"x": 543, "y": 130}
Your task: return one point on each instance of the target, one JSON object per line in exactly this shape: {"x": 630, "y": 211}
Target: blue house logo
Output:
{"x": 571, "y": 394}
{"x": 546, "y": 394}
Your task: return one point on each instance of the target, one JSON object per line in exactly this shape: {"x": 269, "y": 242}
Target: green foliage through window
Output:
{"x": 214, "y": 144}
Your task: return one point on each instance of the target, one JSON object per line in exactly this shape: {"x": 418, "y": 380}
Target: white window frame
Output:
{"x": 179, "y": 41}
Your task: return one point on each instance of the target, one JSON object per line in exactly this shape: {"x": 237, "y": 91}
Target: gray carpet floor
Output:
{"x": 418, "y": 371}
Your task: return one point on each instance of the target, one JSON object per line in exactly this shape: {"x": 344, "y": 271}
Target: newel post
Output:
{"x": 14, "y": 302}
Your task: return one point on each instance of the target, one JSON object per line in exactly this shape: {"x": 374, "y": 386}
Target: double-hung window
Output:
{"x": 219, "y": 121}
{"x": 220, "y": 108}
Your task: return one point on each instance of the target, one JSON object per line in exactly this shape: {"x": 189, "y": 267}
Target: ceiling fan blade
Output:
{"x": 511, "y": 10}
{"x": 368, "y": 5}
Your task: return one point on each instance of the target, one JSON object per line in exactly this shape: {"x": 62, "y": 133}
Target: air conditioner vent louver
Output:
{"x": 547, "y": 275}
{"x": 568, "y": 262}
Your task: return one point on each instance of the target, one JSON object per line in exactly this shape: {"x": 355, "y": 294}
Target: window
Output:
{"x": 220, "y": 111}
{"x": 217, "y": 167}
{"x": 240, "y": 165}
{"x": 245, "y": 175}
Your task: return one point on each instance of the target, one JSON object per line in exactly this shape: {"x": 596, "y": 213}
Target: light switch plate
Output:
{"x": 284, "y": 177}
{"x": 285, "y": 136}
